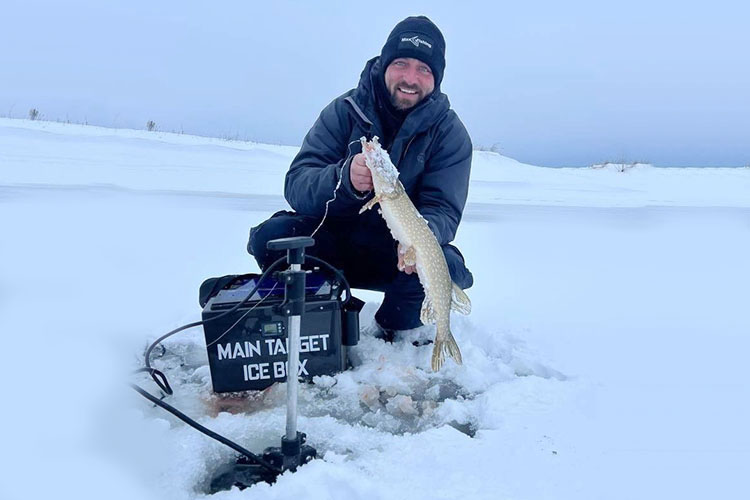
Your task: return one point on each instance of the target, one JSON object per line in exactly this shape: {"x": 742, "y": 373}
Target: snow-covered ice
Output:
{"x": 605, "y": 356}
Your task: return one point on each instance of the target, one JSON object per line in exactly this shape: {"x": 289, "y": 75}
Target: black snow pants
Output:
{"x": 366, "y": 254}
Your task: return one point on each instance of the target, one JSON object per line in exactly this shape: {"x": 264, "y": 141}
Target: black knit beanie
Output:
{"x": 416, "y": 37}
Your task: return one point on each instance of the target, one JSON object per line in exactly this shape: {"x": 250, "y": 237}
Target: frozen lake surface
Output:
{"x": 605, "y": 356}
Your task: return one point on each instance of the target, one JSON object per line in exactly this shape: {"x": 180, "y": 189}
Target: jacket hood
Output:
{"x": 425, "y": 114}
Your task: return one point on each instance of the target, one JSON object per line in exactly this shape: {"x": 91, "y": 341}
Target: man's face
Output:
{"x": 408, "y": 80}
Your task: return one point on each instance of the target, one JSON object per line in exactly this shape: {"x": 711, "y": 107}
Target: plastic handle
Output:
{"x": 293, "y": 242}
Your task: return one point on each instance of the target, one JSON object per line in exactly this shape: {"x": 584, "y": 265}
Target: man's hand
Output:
{"x": 359, "y": 173}
{"x": 403, "y": 257}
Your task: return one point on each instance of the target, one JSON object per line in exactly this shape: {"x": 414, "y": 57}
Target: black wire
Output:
{"x": 208, "y": 432}
{"x": 336, "y": 273}
{"x": 161, "y": 380}
{"x": 202, "y": 322}
{"x": 156, "y": 342}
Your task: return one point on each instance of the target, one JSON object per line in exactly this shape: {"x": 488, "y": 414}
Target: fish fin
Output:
{"x": 410, "y": 256}
{"x": 427, "y": 314}
{"x": 460, "y": 301}
{"x": 367, "y": 206}
{"x": 447, "y": 345}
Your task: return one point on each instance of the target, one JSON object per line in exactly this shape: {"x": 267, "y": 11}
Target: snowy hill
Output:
{"x": 77, "y": 155}
{"x": 604, "y": 357}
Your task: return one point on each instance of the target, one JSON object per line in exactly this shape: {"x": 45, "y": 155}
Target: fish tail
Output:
{"x": 447, "y": 345}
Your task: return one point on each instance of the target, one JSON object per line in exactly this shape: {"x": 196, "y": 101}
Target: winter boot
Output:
{"x": 377, "y": 331}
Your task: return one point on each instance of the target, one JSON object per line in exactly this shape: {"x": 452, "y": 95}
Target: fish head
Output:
{"x": 384, "y": 173}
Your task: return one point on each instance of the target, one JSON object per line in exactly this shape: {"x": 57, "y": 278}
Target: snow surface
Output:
{"x": 605, "y": 356}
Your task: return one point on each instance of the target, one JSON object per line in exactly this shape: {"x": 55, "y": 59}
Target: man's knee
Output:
{"x": 282, "y": 224}
{"x": 460, "y": 274}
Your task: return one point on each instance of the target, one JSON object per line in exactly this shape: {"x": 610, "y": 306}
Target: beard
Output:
{"x": 402, "y": 102}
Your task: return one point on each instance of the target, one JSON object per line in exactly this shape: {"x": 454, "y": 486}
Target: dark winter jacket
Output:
{"x": 432, "y": 152}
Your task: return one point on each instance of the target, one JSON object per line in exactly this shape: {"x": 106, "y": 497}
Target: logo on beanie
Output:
{"x": 417, "y": 41}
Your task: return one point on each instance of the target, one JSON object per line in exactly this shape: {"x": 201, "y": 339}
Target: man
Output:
{"x": 398, "y": 99}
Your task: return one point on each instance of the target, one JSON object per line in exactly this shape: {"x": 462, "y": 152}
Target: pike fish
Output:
{"x": 420, "y": 248}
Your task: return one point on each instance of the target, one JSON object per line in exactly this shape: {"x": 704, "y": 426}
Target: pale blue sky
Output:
{"x": 551, "y": 83}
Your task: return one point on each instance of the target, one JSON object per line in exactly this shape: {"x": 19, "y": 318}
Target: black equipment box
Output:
{"x": 247, "y": 349}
